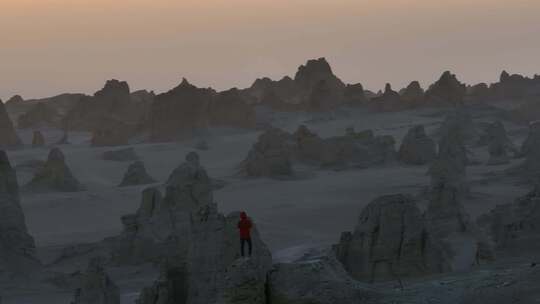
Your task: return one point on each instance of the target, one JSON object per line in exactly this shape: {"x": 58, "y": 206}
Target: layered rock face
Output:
{"x": 229, "y": 108}
{"x": 39, "y": 115}
{"x": 136, "y": 175}
{"x": 180, "y": 113}
{"x": 270, "y": 155}
{"x": 122, "y": 155}
{"x": 390, "y": 241}
{"x": 38, "y": 140}
{"x": 390, "y": 100}
{"x": 514, "y": 226}
{"x": 160, "y": 227}
{"x": 413, "y": 95}
{"x": 8, "y": 137}
{"x": 17, "y": 248}
{"x": 446, "y": 91}
{"x": 97, "y": 287}
{"x": 417, "y": 148}
{"x": 55, "y": 175}
{"x": 320, "y": 281}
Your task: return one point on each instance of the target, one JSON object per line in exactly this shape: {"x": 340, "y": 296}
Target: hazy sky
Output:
{"x": 54, "y": 46}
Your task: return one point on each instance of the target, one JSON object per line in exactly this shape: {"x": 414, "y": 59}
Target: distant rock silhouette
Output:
{"x": 39, "y": 115}
{"x": 270, "y": 156}
{"x": 180, "y": 113}
{"x": 17, "y": 249}
{"x": 446, "y": 91}
{"x": 54, "y": 176}
{"x": 8, "y": 137}
{"x": 413, "y": 95}
{"x": 229, "y": 108}
{"x": 390, "y": 100}
{"x": 14, "y": 100}
{"x": 354, "y": 95}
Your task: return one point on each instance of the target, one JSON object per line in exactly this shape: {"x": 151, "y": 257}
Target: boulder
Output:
{"x": 17, "y": 247}
{"x": 319, "y": 281}
{"x": 8, "y": 137}
{"x": 136, "y": 175}
{"x": 447, "y": 91}
{"x": 417, "y": 148}
{"x": 97, "y": 287}
{"x": 390, "y": 242}
{"x": 38, "y": 140}
{"x": 39, "y": 115}
{"x": 270, "y": 156}
{"x": 180, "y": 113}
{"x": 122, "y": 155}
{"x": 55, "y": 175}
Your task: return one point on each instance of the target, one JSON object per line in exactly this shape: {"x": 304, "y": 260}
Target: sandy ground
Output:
{"x": 291, "y": 215}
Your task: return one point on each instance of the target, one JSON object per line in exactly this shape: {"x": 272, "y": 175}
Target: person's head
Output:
{"x": 243, "y": 215}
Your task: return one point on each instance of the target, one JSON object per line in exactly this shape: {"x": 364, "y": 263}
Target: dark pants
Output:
{"x": 242, "y": 245}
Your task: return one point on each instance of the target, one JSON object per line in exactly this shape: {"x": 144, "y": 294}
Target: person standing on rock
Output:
{"x": 244, "y": 226}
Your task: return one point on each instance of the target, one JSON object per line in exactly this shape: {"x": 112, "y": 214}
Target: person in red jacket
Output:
{"x": 244, "y": 226}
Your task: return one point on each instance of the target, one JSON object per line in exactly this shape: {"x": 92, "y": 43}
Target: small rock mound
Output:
{"x": 17, "y": 247}
{"x": 97, "y": 287}
{"x": 136, "y": 175}
{"x": 413, "y": 95}
{"x": 417, "y": 148}
{"x": 38, "y": 140}
{"x": 498, "y": 143}
{"x": 270, "y": 156}
{"x": 122, "y": 155}
{"x": 55, "y": 175}
{"x": 390, "y": 100}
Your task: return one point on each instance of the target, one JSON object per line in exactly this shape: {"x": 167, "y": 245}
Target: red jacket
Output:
{"x": 244, "y": 225}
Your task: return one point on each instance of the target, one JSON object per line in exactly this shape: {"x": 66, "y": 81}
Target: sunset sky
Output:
{"x": 49, "y": 47}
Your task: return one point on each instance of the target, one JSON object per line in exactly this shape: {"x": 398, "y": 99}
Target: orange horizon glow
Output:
{"x": 49, "y": 47}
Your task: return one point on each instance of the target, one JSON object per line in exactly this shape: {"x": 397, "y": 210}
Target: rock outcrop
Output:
{"x": 39, "y": 115}
{"x": 136, "y": 175}
{"x": 417, "y": 148}
{"x": 180, "y": 113}
{"x": 514, "y": 226}
{"x": 38, "y": 140}
{"x": 390, "y": 242}
{"x": 17, "y": 247}
{"x": 121, "y": 155}
{"x": 160, "y": 227}
{"x": 319, "y": 281}
{"x": 96, "y": 287}
{"x": 270, "y": 156}
{"x": 530, "y": 149}
{"x": 499, "y": 145}
{"x": 447, "y": 91}
{"x": 55, "y": 175}
{"x": 354, "y": 95}
{"x": 8, "y": 137}
{"x": 229, "y": 108}
{"x": 111, "y": 132}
